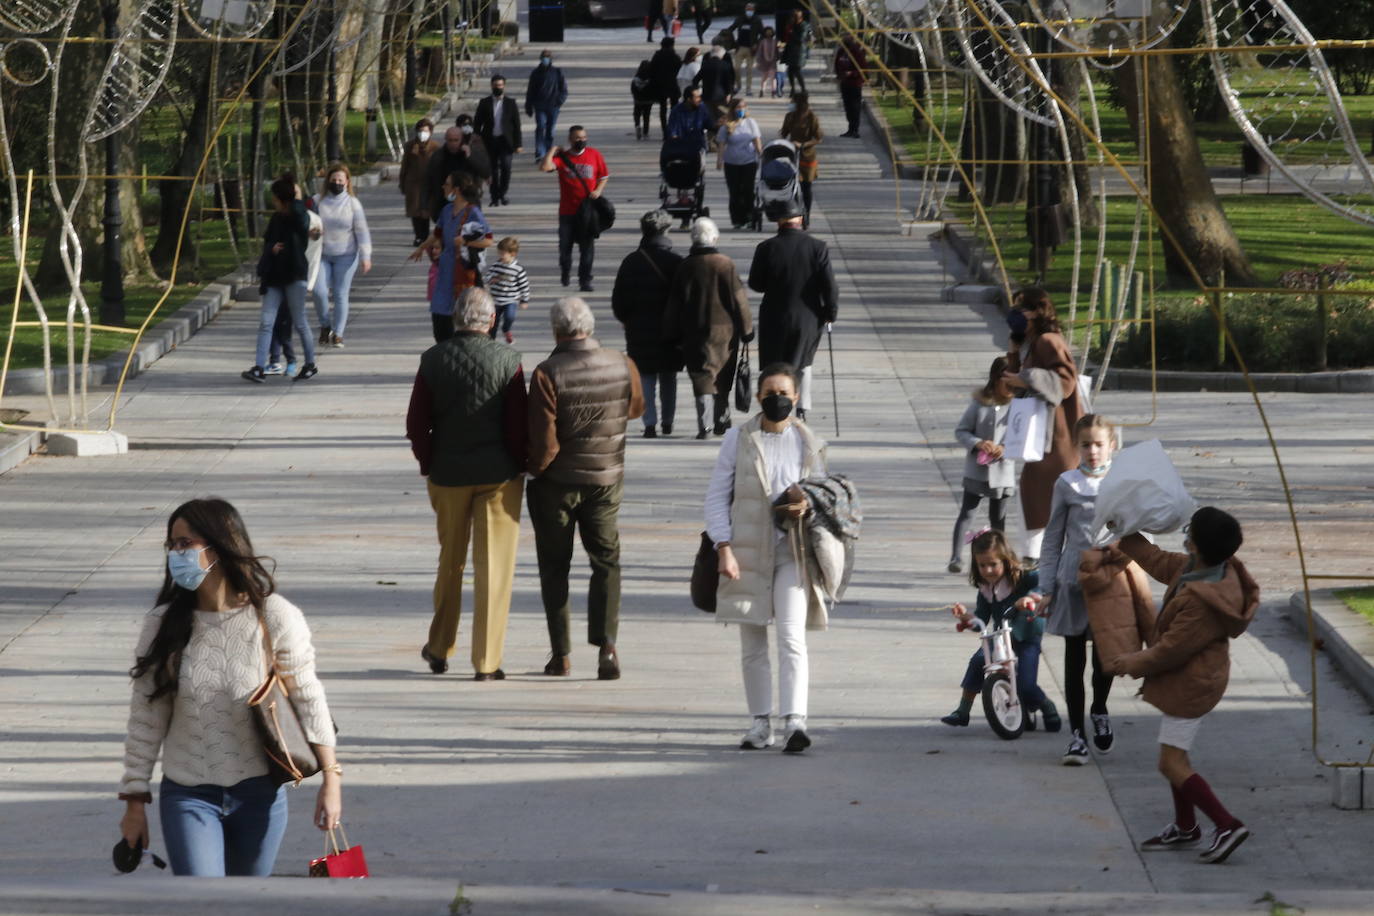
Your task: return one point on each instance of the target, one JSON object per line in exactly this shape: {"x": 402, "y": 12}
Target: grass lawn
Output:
{"x": 216, "y": 259}
{"x": 1359, "y": 600}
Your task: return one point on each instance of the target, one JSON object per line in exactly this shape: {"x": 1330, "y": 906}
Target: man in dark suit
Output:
{"x": 792, "y": 270}
{"x": 498, "y": 124}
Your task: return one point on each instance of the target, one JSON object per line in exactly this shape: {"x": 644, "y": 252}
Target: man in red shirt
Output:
{"x": 582, "y": 173}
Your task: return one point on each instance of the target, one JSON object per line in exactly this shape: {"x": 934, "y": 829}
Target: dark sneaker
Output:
{"x": 954, "y": 566}
{"x": 1077, "y": 753}
{"x": 650, "y": 432}
{"x": 667, "y": 429}
{"x": 586, "y": 287}
{"x": 565, "y": 277}
{"x": 1103, "y": 737}
{"x": 307, "y": 371}
{"x": 1172, "y": 838}
{"x": 324, "y": 336}
{"x": 436, "y": 664}
{"x": 608, "y": 664}
{"x": 1051, "y": 714}
{"x": 254, "y": 375}
{"x": 1224, "y": 842}
{"x": 956, "y": 718}
{"x": 1030, "y": 721}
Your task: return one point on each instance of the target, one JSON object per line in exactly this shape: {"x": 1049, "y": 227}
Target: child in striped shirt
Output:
{"x": 509, "y": 286}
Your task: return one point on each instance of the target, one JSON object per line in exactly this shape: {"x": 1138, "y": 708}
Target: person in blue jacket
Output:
{"x": 544, "y": 95}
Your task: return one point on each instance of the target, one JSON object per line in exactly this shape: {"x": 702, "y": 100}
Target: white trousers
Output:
{"x": 1034, "y": 538}
{"x": 789, "y": 619}
{"x": 804, "y": 389}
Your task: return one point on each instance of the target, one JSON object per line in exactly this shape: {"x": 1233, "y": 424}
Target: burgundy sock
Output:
{"x": 1196, "y": 791}
{"x": 1184, "y": 818}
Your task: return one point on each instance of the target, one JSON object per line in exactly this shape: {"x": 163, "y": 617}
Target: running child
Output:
{"x": 1060, "y": 598}
{"x": 509, "y": 286}
{"x": 1004, "y": 591}
{"x": 987, "y": 475}
{"x": 1210, "y": 601}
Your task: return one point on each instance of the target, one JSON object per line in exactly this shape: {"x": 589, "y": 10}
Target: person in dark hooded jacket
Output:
{"x": 663, "y": 67}
{"x": 639, "y": 300}
{"x": 1211, "y": 600}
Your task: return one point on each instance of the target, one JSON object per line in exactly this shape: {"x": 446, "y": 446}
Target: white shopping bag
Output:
{"x": 1141, "y": 492}
{"x": 1027, "y": 421}
{"x": 1085, "y": 393}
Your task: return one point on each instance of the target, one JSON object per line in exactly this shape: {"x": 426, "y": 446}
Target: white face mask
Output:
{"x": 423, "y": 136}
{"x": 467, "y": 129}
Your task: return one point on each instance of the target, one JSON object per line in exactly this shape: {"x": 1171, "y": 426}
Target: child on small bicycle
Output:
{"x": 1004, "y": 593}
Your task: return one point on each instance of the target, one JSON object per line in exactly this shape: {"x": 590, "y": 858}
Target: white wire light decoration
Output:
{"x": 1287, "y": 104}
{"x": 32, "y": 17}
{"x": 1109, "y": 26}
{"x": 135, "y": 69}
{"x": 228, "y": 18}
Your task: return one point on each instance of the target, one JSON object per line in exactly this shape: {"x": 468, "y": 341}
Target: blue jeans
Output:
{"x": 334, "y": 281}
{"x": 294, "y": 293}
{"x": 218, "y": 831}
{"x": 544, "y": 121}
{"x": 505, "y": 318}
{"x": 1027, "y": 672}
{"x": 665, "y": 382}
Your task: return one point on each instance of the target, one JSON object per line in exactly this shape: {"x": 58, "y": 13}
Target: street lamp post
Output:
{"x": 112, "y": 281}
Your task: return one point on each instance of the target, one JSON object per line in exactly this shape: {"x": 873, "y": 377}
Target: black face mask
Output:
{"x": 579, "y": 145}
{"x": 1017, "y": 321}
{"x": 777, "y": 407}
{"x": 498, "y": 91}
{"x": 336, "y": 187}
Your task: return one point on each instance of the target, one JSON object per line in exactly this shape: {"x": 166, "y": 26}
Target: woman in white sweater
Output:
{"x": 761, "y": 581}
{"x": 347, "y": 244}
{"x": 201, "y": 654}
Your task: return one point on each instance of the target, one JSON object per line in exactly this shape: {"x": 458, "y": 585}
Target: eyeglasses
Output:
{"x": 184, "y": 544}
{"x": 1186, "y": 527}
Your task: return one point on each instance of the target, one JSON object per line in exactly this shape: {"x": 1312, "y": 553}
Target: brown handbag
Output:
{"x": 290, "y": 757}
{"x": 705, "y": 576}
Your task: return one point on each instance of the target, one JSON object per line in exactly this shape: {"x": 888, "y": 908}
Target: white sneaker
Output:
{"x": 274, "y": 369}
{"x": 759, "y": 736}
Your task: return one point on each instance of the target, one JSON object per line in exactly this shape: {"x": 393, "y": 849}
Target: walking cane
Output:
{"x": 834, "y": 392}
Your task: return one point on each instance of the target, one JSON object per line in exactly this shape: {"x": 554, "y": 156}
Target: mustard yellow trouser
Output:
{"x": 489, "y": 516}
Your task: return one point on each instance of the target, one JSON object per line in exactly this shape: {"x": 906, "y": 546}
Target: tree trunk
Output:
{"x": 176, "y": 195}
{"x": 1180, "y": 188}
{"x": 1067, "y": 81}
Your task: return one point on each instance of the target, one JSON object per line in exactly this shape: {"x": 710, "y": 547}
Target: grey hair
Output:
{"x": 705, "y": 232}
{"x": 475, "y": 310}
{"x": 655, "y": 222}
{"x": 571, "y": 317}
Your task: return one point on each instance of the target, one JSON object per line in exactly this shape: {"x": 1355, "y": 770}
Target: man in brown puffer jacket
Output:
{"x": 1211, "y": 600}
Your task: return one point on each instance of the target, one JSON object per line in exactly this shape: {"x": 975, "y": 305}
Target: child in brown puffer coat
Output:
{"x": 1211, "y": 600}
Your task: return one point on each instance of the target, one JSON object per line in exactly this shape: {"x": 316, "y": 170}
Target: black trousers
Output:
{"x": 443, "y": 327}
{"x": 556, "y": 511}
{"x": 501, "y": 152}
{"x": 665, "y": 104}
{"x": 420, "y": 225}
{"x": 997, "y": 518}
{"x": 1075, "y": 662}
{"x": 852, "y": 96}
{"x": 643, "y": 111}
{"x": 739, "y": 181}
{"x": 796, "y": 82}
{"x": 703, "y": 17}
{"x": 586, "y": 249}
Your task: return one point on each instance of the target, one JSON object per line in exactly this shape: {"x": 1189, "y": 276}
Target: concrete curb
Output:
{"x": 1345, "y": 636}
{"x": 1352, "y": 381}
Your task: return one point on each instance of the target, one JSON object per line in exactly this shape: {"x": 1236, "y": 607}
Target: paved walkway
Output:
{"x": 539, "y": 788}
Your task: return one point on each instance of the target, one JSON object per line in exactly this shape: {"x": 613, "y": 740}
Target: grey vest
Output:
{"x": 467, "y": 377}
{"x": 593, "y": 389}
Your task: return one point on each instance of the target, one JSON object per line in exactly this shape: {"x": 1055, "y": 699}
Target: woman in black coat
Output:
{"x": 642, "y": 286}
{"x": 664, "y": 66}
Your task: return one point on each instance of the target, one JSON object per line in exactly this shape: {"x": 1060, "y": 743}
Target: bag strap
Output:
{"x": 658, "y": 270}
{"x": 563, "y": 154}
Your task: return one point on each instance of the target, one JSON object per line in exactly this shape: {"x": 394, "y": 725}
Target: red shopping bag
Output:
{"x": 677, "y": 27}
{"x": 347, "y": 862}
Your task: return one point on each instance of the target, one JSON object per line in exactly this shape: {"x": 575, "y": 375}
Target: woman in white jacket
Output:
{"x": 761, "y": 580}
{"x": 347, "y": 245}
{"x": 200, "y": 656}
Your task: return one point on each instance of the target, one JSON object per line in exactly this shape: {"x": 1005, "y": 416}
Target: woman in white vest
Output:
{"x": 761, "y": 580}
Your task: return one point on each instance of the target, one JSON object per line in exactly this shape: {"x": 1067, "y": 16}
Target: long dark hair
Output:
{"x": 221, "y": 527}
{"x": 991, "y": 391}
{"x": 1039, "y": 308}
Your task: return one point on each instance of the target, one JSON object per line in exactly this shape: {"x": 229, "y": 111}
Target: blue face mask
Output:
{"x": 545, "y": 61}
{"x": 1016, "y": 320}
{"x": 739, "y": 112}
{"x": 185, "y": 568}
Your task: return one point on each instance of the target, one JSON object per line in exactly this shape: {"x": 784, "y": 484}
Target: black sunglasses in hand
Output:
{"x": 126, "y": 857}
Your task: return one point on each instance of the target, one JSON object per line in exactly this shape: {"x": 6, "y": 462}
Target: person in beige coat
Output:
{"x": 1211, "y": 600}
{"x": 764, "y": 578}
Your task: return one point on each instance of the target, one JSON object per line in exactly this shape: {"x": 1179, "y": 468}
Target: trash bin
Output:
{"x": 546, "y": 21}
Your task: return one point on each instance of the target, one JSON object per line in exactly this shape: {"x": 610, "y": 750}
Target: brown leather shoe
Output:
{"x": 558, "y": 666}
{"x": 608, "y": 664}
{"x": 437, "y": 665}
{"x": 497, "y": 675}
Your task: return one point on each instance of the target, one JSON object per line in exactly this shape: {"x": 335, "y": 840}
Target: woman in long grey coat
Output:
{"x": 708, "y": 317}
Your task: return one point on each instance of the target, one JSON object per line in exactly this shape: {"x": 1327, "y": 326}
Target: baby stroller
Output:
{"x": 683, "y": 185}
{"x": 778, "y": 178}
